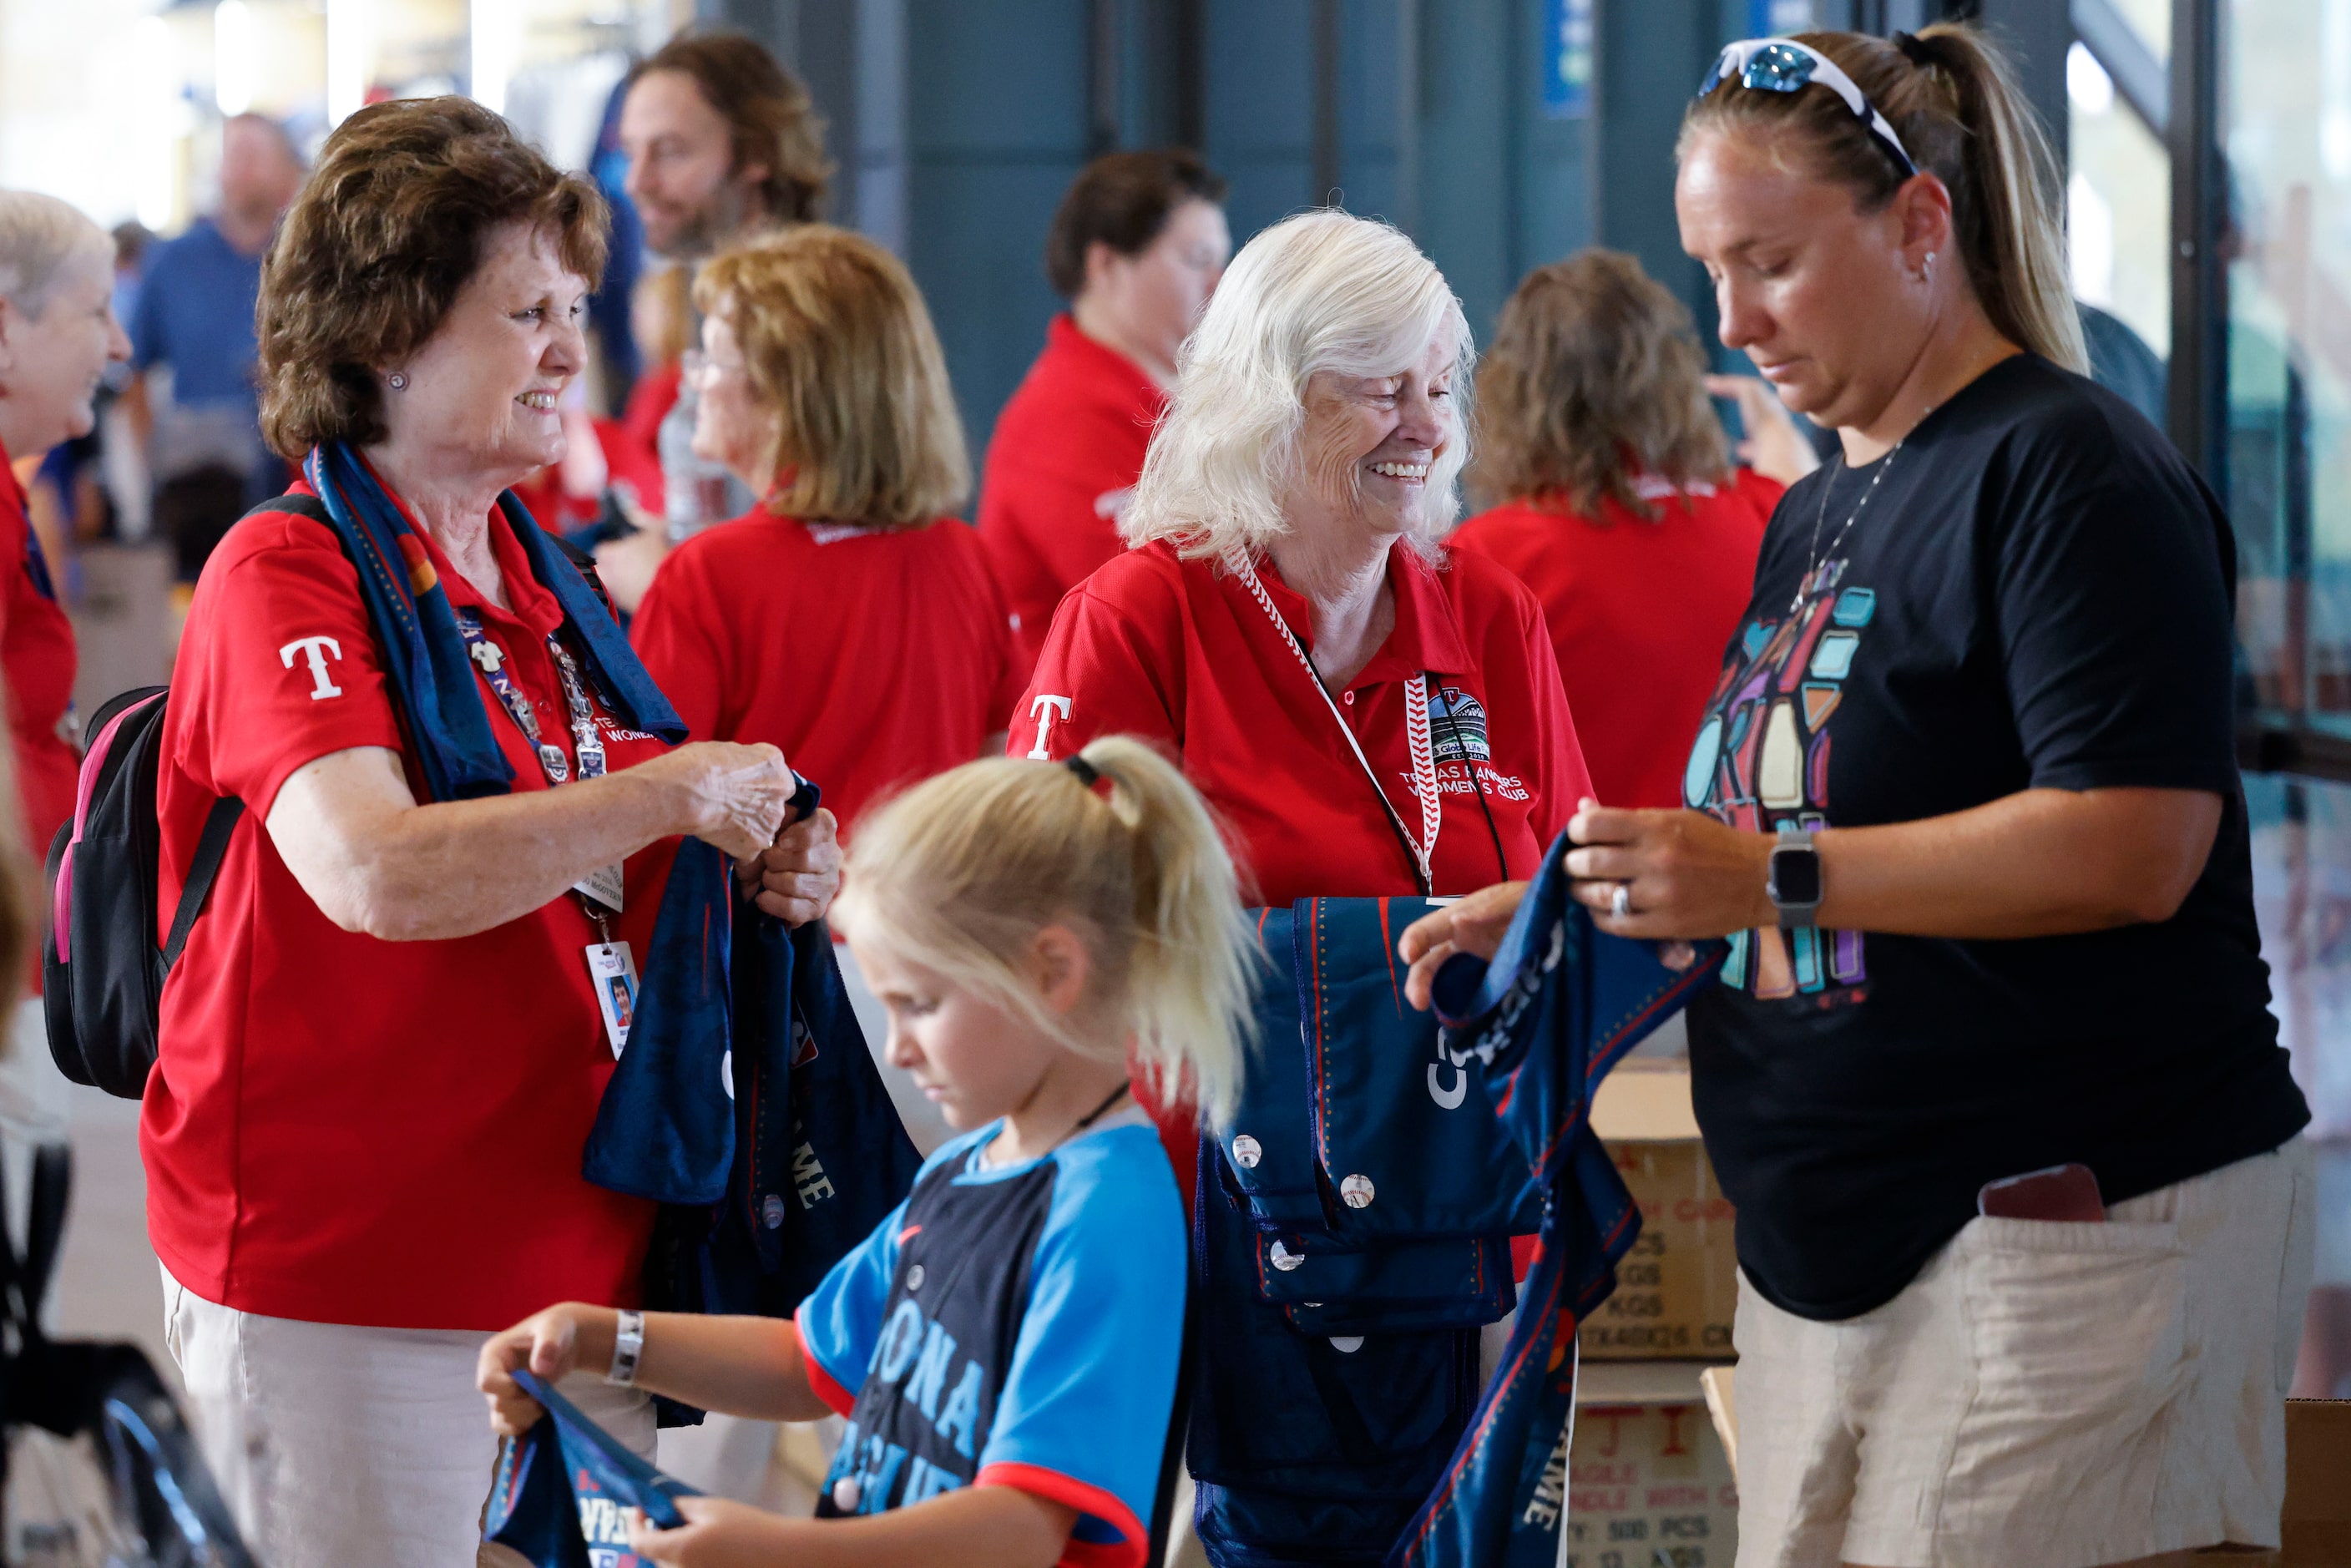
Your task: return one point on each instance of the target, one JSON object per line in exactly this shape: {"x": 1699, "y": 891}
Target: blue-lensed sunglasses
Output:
{"x": 1782, "y": 65}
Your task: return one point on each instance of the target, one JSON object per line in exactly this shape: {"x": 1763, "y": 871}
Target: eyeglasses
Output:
{"x": 699, "y": 371}
{"x": 1782, "y": 65}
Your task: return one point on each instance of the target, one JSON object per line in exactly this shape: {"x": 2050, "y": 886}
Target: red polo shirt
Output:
{"x": 37, "y": 658}
{"x": 872, "y": 657}
{"x": 1640, "y": 611}
{"x": 1067, "y": 450}
{"x": 342, "y": 1129}
{"x": 1177, "y": 651}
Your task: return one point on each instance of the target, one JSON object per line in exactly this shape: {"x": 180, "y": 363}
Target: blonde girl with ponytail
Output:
{"x": 2024, "y": 1214}
{"x": 1004, "y": 1345}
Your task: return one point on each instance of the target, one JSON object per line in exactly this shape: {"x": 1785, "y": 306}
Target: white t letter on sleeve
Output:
{"x": 1045, "y": 710}
{"x": 317, "y": 650}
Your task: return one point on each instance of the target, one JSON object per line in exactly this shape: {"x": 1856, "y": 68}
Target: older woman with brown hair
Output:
{"x": 385, "y": 1044}
{"x": 1612, "y": 496}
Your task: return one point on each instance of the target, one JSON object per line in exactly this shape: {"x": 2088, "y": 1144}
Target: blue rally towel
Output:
{"x": 564, "y": 1488}
{"x": 1558, "y": 1006}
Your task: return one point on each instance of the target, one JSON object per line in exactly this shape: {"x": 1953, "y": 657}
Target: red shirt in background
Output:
{"x": 39, "y": 659}
{"x": 1067, "y": 450}
{"x": 1640, "y": 611}
{"x": 341, "y": 1129}
{"x": 873, "y": 657}
{"x": 1177, "y": 651}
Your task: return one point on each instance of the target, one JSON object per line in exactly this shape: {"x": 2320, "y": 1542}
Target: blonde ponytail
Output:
{"x": 1953, "y": 97}
{"x": 960, "y": 872}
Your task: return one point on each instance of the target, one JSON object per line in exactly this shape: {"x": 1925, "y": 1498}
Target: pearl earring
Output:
{"x": 1926, "y": 268}
{"x": 399, "y": 381}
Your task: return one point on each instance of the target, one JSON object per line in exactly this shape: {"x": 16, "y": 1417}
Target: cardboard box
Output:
{"x": 1677, "y": 1287}
{"x": 2317, "y": 1523}
{"x": 1648, "y": 1483}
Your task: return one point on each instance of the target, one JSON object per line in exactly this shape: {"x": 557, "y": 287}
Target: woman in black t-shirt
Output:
{"x": 1966, "y": 807}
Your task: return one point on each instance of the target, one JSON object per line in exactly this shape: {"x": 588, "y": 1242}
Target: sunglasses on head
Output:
{"x": 1782, "y": 65}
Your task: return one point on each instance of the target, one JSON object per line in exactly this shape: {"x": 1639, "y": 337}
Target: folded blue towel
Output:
{"x": 564, "y": 1489}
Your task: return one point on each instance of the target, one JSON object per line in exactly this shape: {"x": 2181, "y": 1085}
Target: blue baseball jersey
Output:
{"x": 1014, "y": 1325}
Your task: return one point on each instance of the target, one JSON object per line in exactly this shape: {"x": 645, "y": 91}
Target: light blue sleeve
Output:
{"x": 1084, "y": 1416}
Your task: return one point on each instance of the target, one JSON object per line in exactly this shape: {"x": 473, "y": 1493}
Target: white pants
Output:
{"x": 338, "y": 1447}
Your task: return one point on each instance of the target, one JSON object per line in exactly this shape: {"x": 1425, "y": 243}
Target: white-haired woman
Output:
{"x": 58, "y": 335}
{"x": 1365, "y": 715}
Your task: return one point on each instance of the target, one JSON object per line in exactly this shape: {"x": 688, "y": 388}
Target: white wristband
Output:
{"x": 628, "y": 1344}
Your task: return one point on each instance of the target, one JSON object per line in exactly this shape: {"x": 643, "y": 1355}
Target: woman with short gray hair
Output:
{"x": 1366, "y": 714}
{"x": 58, "y": 335}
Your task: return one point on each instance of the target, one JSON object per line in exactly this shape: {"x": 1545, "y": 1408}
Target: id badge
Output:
{"x": 603, "y": 884}
{"x": 613, "y": 973}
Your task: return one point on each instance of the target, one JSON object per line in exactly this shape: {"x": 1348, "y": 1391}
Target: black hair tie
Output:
{"x": 1920, "y": 52}
{"x": 1088, "y": 774}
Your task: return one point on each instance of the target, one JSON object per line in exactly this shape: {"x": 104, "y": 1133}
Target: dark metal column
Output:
{"x": 2200, "y": 231}
{"x": 1326, "y": 164}
{"x": 1104, "y": 62}
{"x": 1192, "y": 73}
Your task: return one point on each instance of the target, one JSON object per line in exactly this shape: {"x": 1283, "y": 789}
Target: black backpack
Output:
{"x": 101, "y": 972}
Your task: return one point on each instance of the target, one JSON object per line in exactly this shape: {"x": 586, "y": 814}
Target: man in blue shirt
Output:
{"x": 194, "y": 314}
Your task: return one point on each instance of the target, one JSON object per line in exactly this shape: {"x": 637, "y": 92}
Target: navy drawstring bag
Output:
{"x": 564, "y": 1489}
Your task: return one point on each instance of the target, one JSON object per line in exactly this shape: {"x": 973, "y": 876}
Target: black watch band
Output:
{"x": 1793, "y": 880}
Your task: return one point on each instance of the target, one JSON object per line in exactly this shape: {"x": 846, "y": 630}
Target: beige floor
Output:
{"x": 107, "y": 1285}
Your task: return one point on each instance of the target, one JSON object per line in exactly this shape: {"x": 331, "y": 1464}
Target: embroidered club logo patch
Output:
{"x": 1459, "y": 730}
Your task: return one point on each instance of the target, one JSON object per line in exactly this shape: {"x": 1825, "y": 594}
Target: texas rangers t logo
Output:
{"x": 1045, "y": 710}
{"x": 317, "y": 650}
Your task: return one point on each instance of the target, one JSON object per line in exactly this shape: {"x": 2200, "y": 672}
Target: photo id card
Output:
{"x": 613, "y": 973}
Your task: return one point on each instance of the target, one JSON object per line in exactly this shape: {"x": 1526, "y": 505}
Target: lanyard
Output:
{"x": 1415, "y": 733}
{"x": 551, "y": 760}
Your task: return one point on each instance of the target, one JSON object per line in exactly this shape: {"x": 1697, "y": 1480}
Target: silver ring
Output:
{"x": 1620, "y": 902}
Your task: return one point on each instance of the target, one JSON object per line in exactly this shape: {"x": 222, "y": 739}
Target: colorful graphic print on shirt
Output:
{"x": 1760, "y": 763}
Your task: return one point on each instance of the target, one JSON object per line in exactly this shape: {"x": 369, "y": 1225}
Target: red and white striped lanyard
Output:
{"x": 1417, "y": 739}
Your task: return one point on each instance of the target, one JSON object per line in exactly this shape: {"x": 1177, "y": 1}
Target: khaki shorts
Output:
{"x": 2043, "y": 1395}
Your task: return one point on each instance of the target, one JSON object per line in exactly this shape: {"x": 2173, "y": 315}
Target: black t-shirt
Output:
{"x": 2036, "y": 596}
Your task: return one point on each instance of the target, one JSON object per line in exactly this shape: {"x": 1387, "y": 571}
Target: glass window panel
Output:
{"x": 2302, "y": 892}
{"x": 2151, "y": 20}
{"x": 2118, "y": 206}
{"x": 2286, "y": 85}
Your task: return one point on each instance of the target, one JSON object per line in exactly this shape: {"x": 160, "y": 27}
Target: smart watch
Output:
{"x": 1793, "y": 881}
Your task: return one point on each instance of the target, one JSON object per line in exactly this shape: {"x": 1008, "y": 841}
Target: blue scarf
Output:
{"x": 425, "y": 655}
{"x": 1560, "y": 1004}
